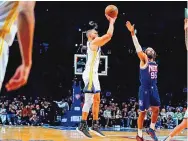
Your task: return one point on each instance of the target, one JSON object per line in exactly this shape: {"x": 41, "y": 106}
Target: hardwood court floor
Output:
{"x": 12, "y": 133}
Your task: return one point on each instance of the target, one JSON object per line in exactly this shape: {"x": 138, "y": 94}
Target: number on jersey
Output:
{"x": 153, "y": 75}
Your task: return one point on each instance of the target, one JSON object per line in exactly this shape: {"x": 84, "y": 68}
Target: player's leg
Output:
{"x": 95, "y": 109}
{"x": 4, "y": 55}
{"x": 140, "y": 122}
{"x": 83, "y": 128}
{"x": 179, "y": 128}
{"x": 155, "y": 104}
{"x": 143, "y": 106}
{"x": 87, "y": 105}
{"x": 154, "y": 116}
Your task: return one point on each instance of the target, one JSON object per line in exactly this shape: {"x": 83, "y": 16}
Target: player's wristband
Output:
{"x": 136, "y": 44}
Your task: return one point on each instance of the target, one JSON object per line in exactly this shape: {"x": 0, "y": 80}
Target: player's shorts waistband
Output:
{"x": 148, "y": 87}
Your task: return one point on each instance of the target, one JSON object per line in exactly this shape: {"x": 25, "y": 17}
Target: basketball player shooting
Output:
{"x": 148, "y": 91}
{"x": 90, "y": 77}
{"x": 184, "y": 123}
{"x": 16, "y": 16}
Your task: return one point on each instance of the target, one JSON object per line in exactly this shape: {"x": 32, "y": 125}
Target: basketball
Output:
{"x": 111, "y": 10}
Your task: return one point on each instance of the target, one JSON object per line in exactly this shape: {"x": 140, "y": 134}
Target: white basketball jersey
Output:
{"x": 8, "y": 22}
{"x": 93, "y": 59}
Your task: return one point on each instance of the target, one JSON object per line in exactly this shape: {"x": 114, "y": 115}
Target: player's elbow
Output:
{"x": 26, "y": 15}
{"x": 109, "y": 36}
{"x": 26, "y": 9}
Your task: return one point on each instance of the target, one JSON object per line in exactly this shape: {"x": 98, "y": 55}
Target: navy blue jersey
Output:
{"x": 148, "y": 75}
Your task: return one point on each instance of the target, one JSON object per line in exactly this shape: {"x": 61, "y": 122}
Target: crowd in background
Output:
{"x": 38, "y": 111}
{"x": 126, "y": 114}
{"x": 25, "y": 111}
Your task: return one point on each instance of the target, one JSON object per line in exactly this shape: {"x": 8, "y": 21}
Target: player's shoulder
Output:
{"x": 93, "y": 46}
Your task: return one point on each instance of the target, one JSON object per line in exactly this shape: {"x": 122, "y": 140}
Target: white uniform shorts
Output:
{"x": 4, "y": 55}
{"x": 92, "y": 84}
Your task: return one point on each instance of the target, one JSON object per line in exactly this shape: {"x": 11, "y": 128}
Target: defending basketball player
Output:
{"x": 16, "y": 16}
{"x": 184, "y": 123}
{"x": 148, "y": 91}
{"x": 90, "y": 77}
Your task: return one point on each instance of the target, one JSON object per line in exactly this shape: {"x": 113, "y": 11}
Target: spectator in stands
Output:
{"x": 11, "y": 113}
{"x": 18, "y": 118}
{"x": 118, "y": 116}
{"x": 63, "y": 105}
{"x": 26, "y": 114}
{"x": 3, "y": 114}
{"x": 125, "y": 116}
{"x": 170, "y": 122}
{"x": 163, "y": 117}
{"x": 132, "y": 117}
{"x": 169, "y": 112}
{"x": 107, "y": 115}
{"x": 178, "y": 115}
{"x": 34, "y": 119}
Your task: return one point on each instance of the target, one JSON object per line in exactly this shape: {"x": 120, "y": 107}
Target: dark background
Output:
{"x": 159, "y": 25}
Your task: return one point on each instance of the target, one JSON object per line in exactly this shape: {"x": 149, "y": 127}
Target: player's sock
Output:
{"x": 140, "y": 122}
{"x": 140, "y": 133}
{"x": 154, "y": 117}
{"x": 95, "y": 108}
{"x": 84, "y": 116}
{"x": 152, "y": 126}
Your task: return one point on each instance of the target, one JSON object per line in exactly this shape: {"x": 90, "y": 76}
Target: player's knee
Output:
{"x": 87, "y": 106}
{"x": 142, "y": 113}
{"x": 155, "y": 110}
{"x": 88, "y": 102}
{"x": 96, "y": 98}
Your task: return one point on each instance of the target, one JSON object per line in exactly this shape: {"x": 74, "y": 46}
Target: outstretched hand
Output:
{"x": 129, "y": 26}
{"x": 110, "y": 19}
{"x": 19, "y": 79}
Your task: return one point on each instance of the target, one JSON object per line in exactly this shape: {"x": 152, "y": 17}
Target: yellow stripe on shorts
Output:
{"x": 91, "y": 71}
{"x": 10, "y": 19}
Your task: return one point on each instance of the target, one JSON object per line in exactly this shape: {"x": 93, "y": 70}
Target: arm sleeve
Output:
{"x": 136, "y": 44}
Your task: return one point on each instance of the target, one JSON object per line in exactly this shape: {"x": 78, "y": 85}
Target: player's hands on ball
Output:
{"x": 110, "y": 19}
{"x": 19, "y": 79}
{"x": 130, "y": 27}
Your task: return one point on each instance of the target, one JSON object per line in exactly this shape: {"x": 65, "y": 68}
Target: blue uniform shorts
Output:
{"x": 148, "y": 97}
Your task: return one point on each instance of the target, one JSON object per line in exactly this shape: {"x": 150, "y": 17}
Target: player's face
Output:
{"x": 150, "y": 53}
{"x": 94, "y": 34}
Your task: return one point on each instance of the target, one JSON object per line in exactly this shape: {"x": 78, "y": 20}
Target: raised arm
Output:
{"x": 142, "y": 56}
{"x": 100, "y": 41}
{"x": 186, "y": 32}
{"x": 26, "y": 23}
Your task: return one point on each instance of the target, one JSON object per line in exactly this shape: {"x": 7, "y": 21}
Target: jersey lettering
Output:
{"x": 153, "y": 71}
